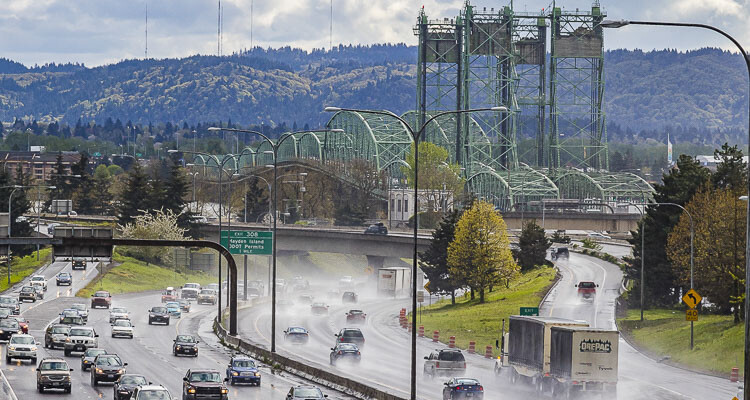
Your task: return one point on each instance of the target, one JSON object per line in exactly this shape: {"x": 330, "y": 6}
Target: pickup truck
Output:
{"x": 446, "y": 362}
{"x": 587, "y": 290}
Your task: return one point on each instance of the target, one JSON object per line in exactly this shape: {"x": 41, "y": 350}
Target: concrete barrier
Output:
{"x": 320, "y": 376}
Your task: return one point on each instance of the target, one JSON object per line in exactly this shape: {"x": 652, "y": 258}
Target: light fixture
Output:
{"x": 609, "y": 23}
{"x": 332, "y": 109}
{"x": 213, "y": 129}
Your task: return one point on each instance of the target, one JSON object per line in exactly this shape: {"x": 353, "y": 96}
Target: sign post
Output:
{"x": 691, "y": 299}
{"x": 248, "y": 242}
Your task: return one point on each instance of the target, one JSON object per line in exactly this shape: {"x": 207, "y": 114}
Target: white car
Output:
{"x": 118, "y": 313}
{"x": 151, "y": 392}
{"x": 39, "y": 280}
{"x": 80, "y": 339}
{"x": 122, "y": 327}
{"x": 597, "y": 235}
{"x": 21, "y": 346}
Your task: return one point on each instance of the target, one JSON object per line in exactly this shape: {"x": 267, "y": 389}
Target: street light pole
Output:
{"x": 416, "y": 138}
{"x": 746, "y": 57}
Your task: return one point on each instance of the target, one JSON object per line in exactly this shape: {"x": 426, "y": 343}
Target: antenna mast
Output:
{"x": 330, "y": 30}
{"x": 146, "y": 53}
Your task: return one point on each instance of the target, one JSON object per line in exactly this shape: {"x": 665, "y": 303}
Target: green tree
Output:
{"x": 533, "y": 246}
{"x": 82, "y": 186}
{"x": 480, "y": 253}
{"x": 256, "y": 200}
{"x": 60, "y": 182}
{"x": 176, "y": 192}
{"x": 731, "y": 172}
{"x": 434, "y": 261}
{"x": 101, "y": 194}
{"x": 437, "y": 176}
{"x": 20, "y": 206}
{"x": 157, "y": 225}
{"x": 719, "y": 231}
{"x": 679, "y": 185}
{"x": 132, "y": 199}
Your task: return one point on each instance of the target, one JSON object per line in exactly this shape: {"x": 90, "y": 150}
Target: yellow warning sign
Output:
{"x": 692, "y": 298}
{"x": 427, "y": 287}
{"x": 691, "y": 315}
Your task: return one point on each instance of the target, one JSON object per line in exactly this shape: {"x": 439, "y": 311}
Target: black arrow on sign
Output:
{"x": 695, "y": 301}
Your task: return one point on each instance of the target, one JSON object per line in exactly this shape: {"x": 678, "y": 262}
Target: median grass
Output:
{"x": 131, "y": 275}
{"x": 468, "y": 320}
{"x": 23, "y": 267}
{"x": 718, "y": 340}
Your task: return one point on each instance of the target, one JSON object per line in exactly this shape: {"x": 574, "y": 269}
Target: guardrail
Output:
{"x": 320, "y": 376}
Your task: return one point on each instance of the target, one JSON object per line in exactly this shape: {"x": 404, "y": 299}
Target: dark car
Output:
{"x": 79, "y": 264}
{"x": 345, "y": 352}
{"x": 242, "y": 369}
{"x": 560, "y": 252}
{"x": 10, "y": 303}
{"x": 185, "y": 344}
{"x": 356, "y": 317}
{"x": 349, "y": 297}
{"x": 305, "y": 392}
{"x": 184, "y": 305}
{"x": 101, "y": 298}
{"x": 55, "y": 335}
{"x": 299, "y": 283}
{"x": 8, "y": 328}
{"x": 64, "y": 278}
{"x": 203, "y": 384}
{"x": 351, "y": 335}
{"x": 53, "y": 373}
{"x": 319, "y": 309}
{"x": 71, "y": 320}
{"x": 87, "y": 359}
{"x": 376, "y": 229}
{"x": 463, "y": 388}
{"x": 296, "y": 334}
{"x": 158, "y": 314}
{"x": 124, "y": 386}
{"x": 107, "y": 368}
{"x": 27, "y": 293}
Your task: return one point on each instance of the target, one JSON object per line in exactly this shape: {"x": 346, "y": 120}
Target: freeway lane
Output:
{"x": 148, "y": 354}
{"x": 385, "y": 356}
{"x": 640, "y": 377}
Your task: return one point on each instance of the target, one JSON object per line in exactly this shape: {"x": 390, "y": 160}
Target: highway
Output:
{"x": 385, "y": 358}
{"x": 148, "y": 354}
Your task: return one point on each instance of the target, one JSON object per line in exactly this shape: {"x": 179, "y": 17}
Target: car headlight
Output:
{"x": 11, "y": 348}
{"x": 32, "y": 349}
{"x": 121, "y": 371}
{"x": 224, "y": 391}
{"x": 1, "y": 331}
{"x": 257, "y": 374}
{"x": 99, "y": 371}
{"x": 178, "y": 347}
{"x": 191, "y": 390}
{"x": 67, "y": 378}
{"x": 85, "y": 361}
{"x": 235, "y": 373}
{"x": 67, "y": 340}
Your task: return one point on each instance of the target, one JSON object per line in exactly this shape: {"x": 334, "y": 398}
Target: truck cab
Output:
{"x": 445, "y": 362}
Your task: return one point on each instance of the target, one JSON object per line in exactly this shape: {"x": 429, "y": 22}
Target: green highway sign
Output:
{"x": 248, "y": 242}
{"x": 531, "y": 311}
{"x": 97, "y": 154}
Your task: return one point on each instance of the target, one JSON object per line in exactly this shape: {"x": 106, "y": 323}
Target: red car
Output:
{"x": 356, "y": 316}
{"x": 101, "y": 298}
{"x": 587, "y": 290}
{"x": 22, "y": 323}
{"x": 169, "y": 295}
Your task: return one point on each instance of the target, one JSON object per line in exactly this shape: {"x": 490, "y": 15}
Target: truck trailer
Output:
{"x": 582, "y": 360}
{"x": 394, "y": 281}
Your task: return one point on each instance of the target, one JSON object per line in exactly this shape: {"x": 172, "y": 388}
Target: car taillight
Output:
{"x": 458, "y": 387}
{"x": 464, "y": 365}
{"x": 437, "y": 364}
{"x": 340, "y": 352}
{"x": 358, "y": 353}
{"x": 341, "y": 339}
{"x": 481, "y": 389}
{"x": 575, "y": 382}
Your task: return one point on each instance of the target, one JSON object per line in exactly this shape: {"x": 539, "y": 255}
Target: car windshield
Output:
{"x": 352, "y": 333}
{"x": 191, "y": 286}
{"x": 119, "y": 310}
{"x": 355, "y": 311}
{"x": 27, "y": 289}
{"x": 185, "y": 339}
{"x": 81, "y": 307}
{"x": 348, "y": 346}
{"x": 316, "y": 305}
{"x": 72, "y": 320}
{"x": 122, "y": 322}
{"x": 38, "y": 278}
{"x": 81, "y": 332}
{"x": 61, "y": 329}
{"x": 467, "y": 381}
{"x": 112, "y": 361}
{"x": 208, "y": 291}
{"x": 94, "y": 352}
{"x": 22, "y": 340}
{"x": 54, "y": 366}
{"x": 451, "y": 356}
{"x": 7, "y": 300}
{"x": 133, "y": 380}
{"x": 205, "y": 377}
{"x": 4, "y": 312}
{"x": 307, "y": 392}
{"x": 173, "y": 304}
{"x": 586, "y": 285}
{"x": 183, "y": 302}
{"x": 244, "y": 363}
{"x": 153, "y": 394}
{"x": 63, "y": 275}
{"x": 159, "y": 309}
{"x": 70, "y": 313}
{"x": 297, "y": 330}
{"x": 8, "y": 323}
{"x": 101, "y": 294}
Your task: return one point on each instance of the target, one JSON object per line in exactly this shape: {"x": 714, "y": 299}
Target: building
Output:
{"x": 712, "y": 162}
{"x": 401, "y": 203}
{"x": 38, "y": 164}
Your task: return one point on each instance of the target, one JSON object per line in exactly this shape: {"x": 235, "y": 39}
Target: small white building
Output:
{"x": 401, "y": 203}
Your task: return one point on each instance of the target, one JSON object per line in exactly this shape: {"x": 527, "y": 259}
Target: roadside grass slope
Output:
{"x": 23, "y": 267}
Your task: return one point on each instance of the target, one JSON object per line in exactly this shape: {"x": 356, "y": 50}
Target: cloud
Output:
{"x": 102, "y": 31}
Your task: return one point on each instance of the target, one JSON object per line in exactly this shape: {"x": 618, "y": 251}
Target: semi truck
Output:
{"x": 559, "y": 355}
{"x": 394, "y": 281}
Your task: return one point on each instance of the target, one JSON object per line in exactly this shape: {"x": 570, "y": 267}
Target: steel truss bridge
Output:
{"x": 487, "y": 58}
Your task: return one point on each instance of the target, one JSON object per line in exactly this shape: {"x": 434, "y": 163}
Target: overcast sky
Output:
{"x": 98, "y": 32}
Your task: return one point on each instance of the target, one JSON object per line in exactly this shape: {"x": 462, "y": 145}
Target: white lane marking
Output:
{"x": 12, "y": 392}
